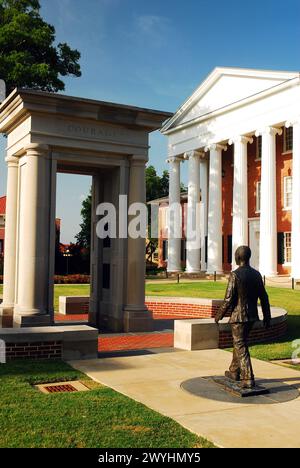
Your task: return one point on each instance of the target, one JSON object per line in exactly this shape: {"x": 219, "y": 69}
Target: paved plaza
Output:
{"x": 155, "y": 379}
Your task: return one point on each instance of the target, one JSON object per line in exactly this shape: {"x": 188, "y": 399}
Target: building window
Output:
{"x": 183, "y": 250}
{"x": 258, "y": 147}
{"x": 288, "y": 139}
{"x": 288, "y": 192}
{"x": 258, "y": 196}
{"x": 287, "y": 247}
{"x": 165, "y": 250}
{"x": 229, "y": 249}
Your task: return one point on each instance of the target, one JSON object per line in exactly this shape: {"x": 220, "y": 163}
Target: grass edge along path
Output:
{"x": 99, "y": 418}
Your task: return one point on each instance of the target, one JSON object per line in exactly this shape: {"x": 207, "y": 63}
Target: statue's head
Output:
{"x": 242, "y": 255}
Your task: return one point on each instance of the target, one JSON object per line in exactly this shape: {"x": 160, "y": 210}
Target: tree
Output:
{"x": 156, "y": 186}
{"x": 153, "y": 184}
{"x": 84, "y": 236}
{"x": 28, "y": 55}
{"x": 164, "y": 184}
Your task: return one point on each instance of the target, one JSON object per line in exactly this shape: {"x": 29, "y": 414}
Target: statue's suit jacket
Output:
{"x": 245, "y": 287}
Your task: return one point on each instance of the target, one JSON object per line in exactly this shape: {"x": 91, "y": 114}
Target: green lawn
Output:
{"x": 285, "y": 298}
{"x": 279, "y": 297}
{"x": 66, "y": 290}
{"x": 207, "y": 289}
{"x": 98, "y": 418}
{"x": 69, "y": 290}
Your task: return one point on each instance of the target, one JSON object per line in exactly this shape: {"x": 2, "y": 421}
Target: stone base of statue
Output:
{"x": 235, "y": 388}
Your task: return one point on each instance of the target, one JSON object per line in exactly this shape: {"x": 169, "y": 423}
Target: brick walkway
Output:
{"x": 132, "y": 341}
{"x": 126, "y": 341}
{"x": 71, "y": 318}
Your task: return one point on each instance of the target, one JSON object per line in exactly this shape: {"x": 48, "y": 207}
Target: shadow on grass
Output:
{"x": 293, "y": 327}
{"x": 38, "y": 371}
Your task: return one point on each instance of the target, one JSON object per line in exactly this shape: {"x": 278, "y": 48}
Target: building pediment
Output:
{"x": 224, "y": 87}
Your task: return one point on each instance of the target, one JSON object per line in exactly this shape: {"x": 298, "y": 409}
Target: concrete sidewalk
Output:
{"x": 155, "y": 380}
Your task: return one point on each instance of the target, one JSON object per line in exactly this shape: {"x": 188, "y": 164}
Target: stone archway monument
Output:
{"x": 50, "y": 133}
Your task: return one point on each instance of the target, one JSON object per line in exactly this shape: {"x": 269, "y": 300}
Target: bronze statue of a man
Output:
{"x": 245, "y": 287}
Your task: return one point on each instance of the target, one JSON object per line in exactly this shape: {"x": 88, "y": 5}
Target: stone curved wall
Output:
{"x": 189, "y": 309}
{"x": 182, "y": 307}
{"x": 259, "y": 334}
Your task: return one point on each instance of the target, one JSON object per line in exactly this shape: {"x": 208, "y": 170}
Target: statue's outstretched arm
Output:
{"x": 265, "y": 304}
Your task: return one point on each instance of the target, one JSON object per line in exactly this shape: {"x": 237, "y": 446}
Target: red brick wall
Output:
{"x": 254, "y": 175}
{"x": 259, "y": 335}
{"x": 41, "y": 350}
{"x": 283, "y": 169}
{"x": 227, "y": 199}
{"x": 171, "y": 309}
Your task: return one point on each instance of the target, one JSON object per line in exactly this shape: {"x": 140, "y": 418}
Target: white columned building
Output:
{"x": 248, "y": 196}
{"x": 268, "y": 212}
{"x": 204, "y": 208}
{"x": 240, "y": 194}
{"x": 193, "y": 214}
{"x": 174, "y": 217}
{"x": 295, "y": 124}
{"x": 214, "y": 236}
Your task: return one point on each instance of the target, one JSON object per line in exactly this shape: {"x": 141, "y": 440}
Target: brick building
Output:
{"x": 240, "y": 135}
{"x": 163, "y": 205}
{"x": 2, "y": 225}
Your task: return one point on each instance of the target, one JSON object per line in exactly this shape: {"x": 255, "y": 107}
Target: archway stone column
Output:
{"x": 136, "y": 315}
{"x": 9, "y": 282}
{"x": 32, "y": 298}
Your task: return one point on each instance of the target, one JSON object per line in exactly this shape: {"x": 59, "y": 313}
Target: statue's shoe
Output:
{"x": 248, "y": 384}
{"x": 232, "y": 376}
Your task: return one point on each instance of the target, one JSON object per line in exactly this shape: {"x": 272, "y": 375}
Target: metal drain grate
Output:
{"x": 60, "y": 389}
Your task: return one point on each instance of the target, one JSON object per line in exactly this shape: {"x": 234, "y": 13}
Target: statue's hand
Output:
{"x": 267, "y": 323}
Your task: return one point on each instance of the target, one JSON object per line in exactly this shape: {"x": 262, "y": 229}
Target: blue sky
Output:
{"x": 155, "y": 53}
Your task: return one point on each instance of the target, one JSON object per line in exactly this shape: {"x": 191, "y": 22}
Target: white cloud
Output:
{"x": 153, "y": 27}
{"x": 151, "y": 23}
{"x": 61, "y": 13}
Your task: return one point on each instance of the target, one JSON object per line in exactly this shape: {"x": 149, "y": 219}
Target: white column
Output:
{"x": 174, "y": 216}
{"x": 193, "y": 213}
{"x": 240, "y": 194}
{"x": 268, "y": 212}
{"x": 34, "y": 242}
{"x": 295, "y": 271}
{"x": 9, "y": 282}
{"x": 136, "y": 314}
{"x": 204, "y": 210}
{"x": 214, "y": 247}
